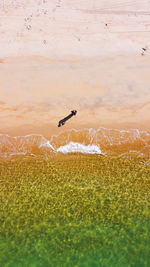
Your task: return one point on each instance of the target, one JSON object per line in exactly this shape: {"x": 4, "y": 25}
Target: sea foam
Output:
{"x": 87, "y": 140}
{"x": 73, "y": 147}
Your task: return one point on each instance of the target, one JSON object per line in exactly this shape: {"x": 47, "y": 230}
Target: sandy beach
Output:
{"x": 57, "y": 56}
{"x": 75, "y": 195}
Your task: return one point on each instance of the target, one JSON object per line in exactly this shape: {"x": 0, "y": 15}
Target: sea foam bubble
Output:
{"x": 80, "y": 148}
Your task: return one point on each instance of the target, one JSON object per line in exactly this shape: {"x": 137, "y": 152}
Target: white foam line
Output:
{"x": 47, "y": 144}
{"x": 80, "y": 148}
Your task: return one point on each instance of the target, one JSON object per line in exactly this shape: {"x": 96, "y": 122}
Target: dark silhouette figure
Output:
{"x": 62, "y": 122}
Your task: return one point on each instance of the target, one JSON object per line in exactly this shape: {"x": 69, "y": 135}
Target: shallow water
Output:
{"x": 89, "y": 141}
{"x": 74, "y": 210}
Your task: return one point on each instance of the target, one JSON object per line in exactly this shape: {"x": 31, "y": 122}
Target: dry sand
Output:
{"x": 60, "y": 55}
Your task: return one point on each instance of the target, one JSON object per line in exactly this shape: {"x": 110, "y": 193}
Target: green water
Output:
{"x": 74, "y": 211}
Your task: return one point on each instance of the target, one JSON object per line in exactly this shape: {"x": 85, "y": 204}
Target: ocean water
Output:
{"x": 80, "y": 198}
{"x": 89, "y": 141}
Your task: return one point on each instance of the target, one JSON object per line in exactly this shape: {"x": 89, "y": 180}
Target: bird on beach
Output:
{"x": 144, "y": 49}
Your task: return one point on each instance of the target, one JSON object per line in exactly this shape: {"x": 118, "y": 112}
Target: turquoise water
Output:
{"x": 79, "y": 245}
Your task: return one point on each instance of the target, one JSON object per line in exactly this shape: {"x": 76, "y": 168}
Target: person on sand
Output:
{"x": 62, "y": 122}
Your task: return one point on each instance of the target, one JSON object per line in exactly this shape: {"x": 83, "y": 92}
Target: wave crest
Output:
{"x": 102, "y": 140}
{"x": 79, "y": 148}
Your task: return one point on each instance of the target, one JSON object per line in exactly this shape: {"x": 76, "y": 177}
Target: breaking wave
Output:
{"x": 80, "y": 148}
{"x": 89, "y": 141}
